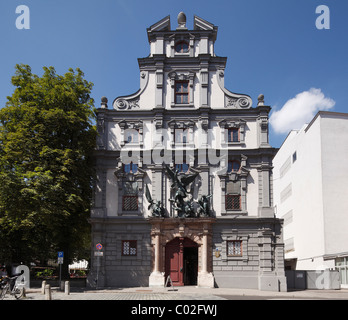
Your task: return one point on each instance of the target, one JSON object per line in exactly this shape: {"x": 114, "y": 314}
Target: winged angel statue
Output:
{"x": 179, "y": 184}
{"x": 157, "y": 207}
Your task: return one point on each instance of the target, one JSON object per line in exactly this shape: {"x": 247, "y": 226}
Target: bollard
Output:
{"x": 61, "y": 286}
{"x": 48, "y": 295}
{"x": 67, "y": 287}
{"x": 43, "y": 287}
{"x": 24, "y": 295}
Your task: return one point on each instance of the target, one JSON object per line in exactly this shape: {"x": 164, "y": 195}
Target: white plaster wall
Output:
{"x": 152, "y": 48}
{"x": 251, "y": 135}
{"x": 166, "y": 91}
{"x": 196, "y": 91}
{"x": 305, "y": 200}
{"x": 196, "y": 48}
{"x": 167, "y": 48}
{"x": 147, "y": 98}
{"x": 216, "y": 95}
{"x": 113, "y": 136}
{"x": 111, "y": 193}
{"x": 217, "y": 194}
{"x": 214, "y": 135}
{"x": 147, "y": 134}
{"x": 252, "y": 196}
{"x": 334, "y": 138}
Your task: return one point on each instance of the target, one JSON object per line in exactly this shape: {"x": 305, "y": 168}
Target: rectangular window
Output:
{"x": 130, "y": 168}
{"x": 131, "y": 136}
{"x": 233, "y": 135}
{"x": 181, "y": 135}
{"x": 130, "y": 203}
{"x": 294, "y": 157}
{"x": 130, "y": 196}
{"x": 181, "y": 167}
{"x": 233, "y": 202}
{"x": 181, "y": 92}
{"x": 234, "y": 248}
{"x": 129, "y": 247}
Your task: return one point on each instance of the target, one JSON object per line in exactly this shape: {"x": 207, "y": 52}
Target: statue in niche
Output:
{"x": 204, "y": 206}
{"x": 156, "y": 206}
{"x": 179, "y": 184}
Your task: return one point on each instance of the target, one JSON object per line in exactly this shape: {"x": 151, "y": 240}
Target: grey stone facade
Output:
{"x": 261, "y": 263}
{"x": 183, "y": 117}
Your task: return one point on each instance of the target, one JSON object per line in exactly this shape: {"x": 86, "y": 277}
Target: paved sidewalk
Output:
{"x": 183, "y": 293}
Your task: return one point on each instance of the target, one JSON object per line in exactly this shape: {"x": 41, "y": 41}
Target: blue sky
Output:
{"x": 273, "y": 47}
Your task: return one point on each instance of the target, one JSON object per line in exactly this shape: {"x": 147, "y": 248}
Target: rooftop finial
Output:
{"x": 181, "y": 21}
{"x": 261, "y": 100}
{"x": 104, "y": 102}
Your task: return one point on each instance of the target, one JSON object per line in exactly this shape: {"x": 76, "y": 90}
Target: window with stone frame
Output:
{"x": 234, "y": 248}
{"x": 131, "y": 136}
{"x": 182, "y": 92}
{"x": 233, "y": 166}
{"x": 182, "y": 47}
{"x": 129, "y": 247}
{"x": 233, "y": 195}
{"x": 233, "y": 135}
{"x": 130, "y": 168}
{"x": 181, "y": 135}
{"x": 181, "y": 167}
{"x": 130, "y": 196}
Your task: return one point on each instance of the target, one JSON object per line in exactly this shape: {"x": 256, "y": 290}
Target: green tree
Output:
{"x": 47, "y": 138}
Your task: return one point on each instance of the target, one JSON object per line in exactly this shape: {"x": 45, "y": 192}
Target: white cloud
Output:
{"x": 300, "y": 110}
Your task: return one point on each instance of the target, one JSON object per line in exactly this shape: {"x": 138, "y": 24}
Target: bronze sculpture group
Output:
{"x": 184, "y": 208}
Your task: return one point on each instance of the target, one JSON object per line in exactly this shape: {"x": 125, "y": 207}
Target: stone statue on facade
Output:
{"x": 204, "y": 206}
{"x": 156, "y": 207}
{"x": 179, "y": 184}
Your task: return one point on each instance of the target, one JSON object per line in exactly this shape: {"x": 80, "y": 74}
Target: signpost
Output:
{"x": 98, "y": 254}
{"x": 60, "y": 262}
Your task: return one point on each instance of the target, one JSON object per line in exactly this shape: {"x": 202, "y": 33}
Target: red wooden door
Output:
{"x": 174, "y": 261}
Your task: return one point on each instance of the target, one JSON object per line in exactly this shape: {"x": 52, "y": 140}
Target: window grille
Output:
{"x": 232, "y": 202}
{"x": 234, "y": 248}
{"x": 129, "y": 248}
{"x": 130, "y": 203}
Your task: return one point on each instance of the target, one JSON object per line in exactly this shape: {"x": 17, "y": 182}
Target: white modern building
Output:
{"x": 311, "y": 194}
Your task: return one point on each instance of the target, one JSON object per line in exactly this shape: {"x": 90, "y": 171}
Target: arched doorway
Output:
{"x": 181, "y": 261}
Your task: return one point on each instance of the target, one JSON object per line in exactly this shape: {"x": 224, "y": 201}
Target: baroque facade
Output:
{"x": 184, "y": 175}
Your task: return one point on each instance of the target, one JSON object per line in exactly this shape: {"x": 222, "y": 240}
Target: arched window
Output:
{"x": 182, "y": 47}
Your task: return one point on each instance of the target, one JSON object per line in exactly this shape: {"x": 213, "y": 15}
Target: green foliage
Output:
{"x": 44, "y": 274}
{"x": 47, "y": 139}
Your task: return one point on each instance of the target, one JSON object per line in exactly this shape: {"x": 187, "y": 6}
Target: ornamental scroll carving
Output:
{"x": 132, "y": 101}
{"x": 233, "y": 100}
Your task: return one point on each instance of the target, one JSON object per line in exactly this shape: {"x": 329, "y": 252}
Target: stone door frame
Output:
{"x": 199, "y": 230}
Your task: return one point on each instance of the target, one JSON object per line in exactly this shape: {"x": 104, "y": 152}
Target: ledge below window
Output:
{"x": 234, "y": 213}
{"x": 182, "y": 105}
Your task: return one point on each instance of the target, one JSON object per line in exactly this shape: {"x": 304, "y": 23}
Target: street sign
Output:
{"x": 60, "y": 257}
{"x": 99, "y": 246}
{"x": 98, "y": 253}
